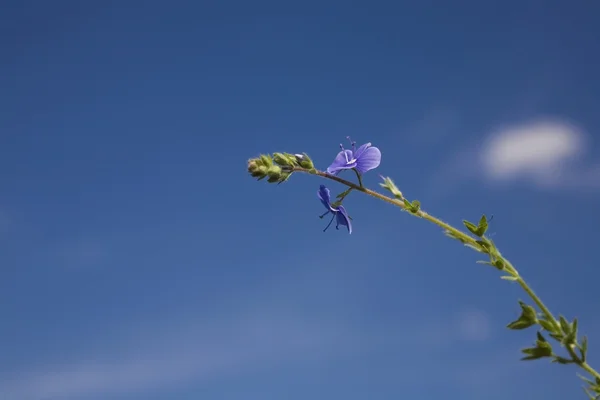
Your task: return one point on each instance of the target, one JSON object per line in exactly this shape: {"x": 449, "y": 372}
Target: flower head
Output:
{"x": 339, "y": 213}
{"x": 365, "y": 158}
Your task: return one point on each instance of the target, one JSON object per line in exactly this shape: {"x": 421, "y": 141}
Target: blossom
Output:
{"x": 364, "y": 158}
{"x": 339, "y": 213}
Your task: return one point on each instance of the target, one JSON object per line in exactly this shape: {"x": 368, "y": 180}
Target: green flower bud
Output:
{"x": 304, "y": 161}
{"x": 284, "y": 159}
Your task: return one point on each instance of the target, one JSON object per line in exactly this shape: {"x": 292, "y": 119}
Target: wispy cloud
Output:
{"x": 546, "y": 153}
{"x": 225, "y": 347}
{"x": 198, "y": 351}
{"x": 542, "y": 152}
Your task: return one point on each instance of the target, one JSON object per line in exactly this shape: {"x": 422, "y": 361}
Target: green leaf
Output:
{"x": 591, "y": 395}
{"x": 527, "y": 318}
{"x": 542, "y": 349}
{"x": 486, "y": 246}
{"x": 415, "y": 206}
{"x": 519, "y": 324}
{"x": 564, "y": 324}
{"x": 562, "y": 360}
{"x": 586, "y": 380}
{"x": 478, "y": 249}
{"x": 574, "y": 327}
{"x": 540, "y": 337}
{"x": 470, "y": 226}
{"x": 535, "y": 353}
{"x": 509, "y": 278}
{"x": 482, "y": 226}
{"x": 583, "y": 349}
{"x": 547, "y": 325}
{"x": 344, "y": 193}
{"x": 391, "y": 186}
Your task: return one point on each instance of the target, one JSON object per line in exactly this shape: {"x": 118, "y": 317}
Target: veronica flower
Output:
{"x": 364, "y": 158}
{"x": 339, "y": 213}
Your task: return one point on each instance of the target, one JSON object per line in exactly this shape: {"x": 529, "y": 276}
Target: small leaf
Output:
{"x": 389, "y": 185}
{"x": 564, "y": 324}
{"x": 589, "y": 382}
{"x": 569, "y": 340}
{"x": 535, "y": 353}
{"x": 541, "y": 337}
{"x": 470, "y": 226}
{"x": 518, "y": 325}
{"x": 527, "y": 318}
{"x": 509, "y": 278}
{"x": 407, "y": 204}
{"x": 583, "y": 349}
{"x": 482, "y": 226}
{"x": 574, "y": 327}
{"x": 547, "y": 325}
{"x": 478, "y": 249}
{"x": 591, "y": 395}
{"x": 528, "y": 311}
{"x": 415, "y": 206}
{"x": 344, "y": 193}
{"x": 562, "y": 360}
{"x": 484, "y": 244}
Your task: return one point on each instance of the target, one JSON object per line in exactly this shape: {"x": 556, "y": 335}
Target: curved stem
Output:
{"x": 468, "y": 239}
{"x": 359, "y": 177}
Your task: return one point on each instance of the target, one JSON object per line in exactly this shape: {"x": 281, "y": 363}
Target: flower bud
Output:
{"x": 304, "y": 161}
{"x": 284, "y": 159}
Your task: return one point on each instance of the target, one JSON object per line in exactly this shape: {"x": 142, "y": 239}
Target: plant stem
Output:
{"x": 467, "y": 239}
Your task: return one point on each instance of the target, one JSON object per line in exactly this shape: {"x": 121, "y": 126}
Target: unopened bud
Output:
{"x": 304, "y": 161}
{"x": 284, "y": 159}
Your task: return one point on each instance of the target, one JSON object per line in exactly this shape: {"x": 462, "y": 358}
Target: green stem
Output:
{"x": 468, "y": 239}
{"x": 359, "y": 177}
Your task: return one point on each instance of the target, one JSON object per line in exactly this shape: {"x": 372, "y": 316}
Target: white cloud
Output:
{"x": 538, "y": 150}
{"x": 546, "y": 153}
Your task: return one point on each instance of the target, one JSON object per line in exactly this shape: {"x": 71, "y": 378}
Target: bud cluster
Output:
{"x": 278, "y": 167}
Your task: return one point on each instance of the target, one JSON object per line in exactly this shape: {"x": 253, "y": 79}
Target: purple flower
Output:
{"x": 363, "y": 159}
{"x": 339, "y": 213}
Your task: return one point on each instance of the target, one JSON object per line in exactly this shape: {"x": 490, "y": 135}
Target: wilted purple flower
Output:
{"x": 363, "y": 159}
{"x": 339, "y": 213}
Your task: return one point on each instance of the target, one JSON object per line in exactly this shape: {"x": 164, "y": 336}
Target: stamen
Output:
{"x": 321, "y": 216}
{"x": 329, "y": 224}
{"x": 352, "y": 143}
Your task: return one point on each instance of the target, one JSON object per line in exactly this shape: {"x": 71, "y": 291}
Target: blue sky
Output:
{"x": 140, "y": 261}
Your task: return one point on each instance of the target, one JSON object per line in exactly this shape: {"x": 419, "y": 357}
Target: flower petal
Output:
{"x": 361, "y": 149}
{"x": 343, "y": 219}
{"x": 324, "y": 195}
{"x": 369, "y": 159}
{"x": 341, "y": 162}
